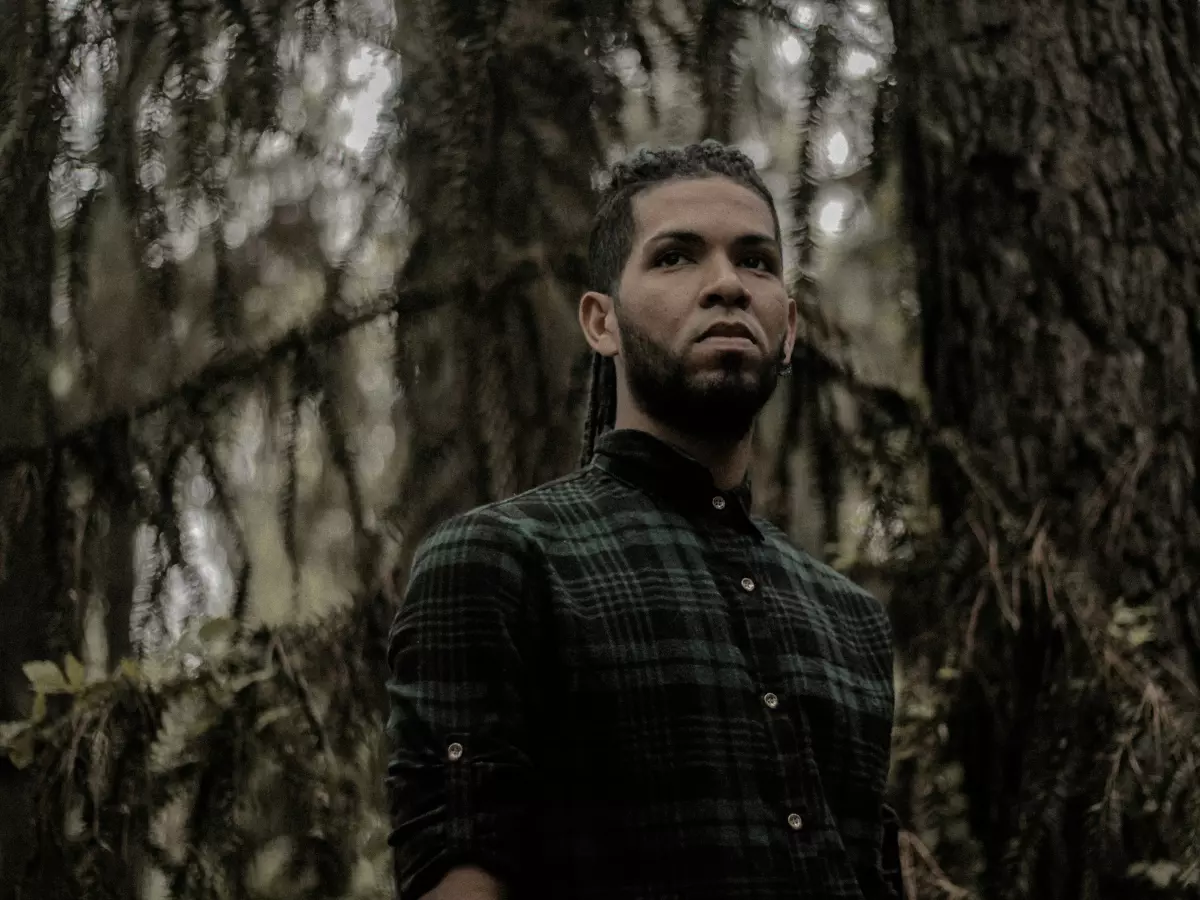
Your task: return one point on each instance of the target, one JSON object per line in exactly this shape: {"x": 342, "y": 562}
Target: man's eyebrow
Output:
{"x": 676, "y": 235}
{"x": 756, "y": 239}
{"x": 691, "y": 238}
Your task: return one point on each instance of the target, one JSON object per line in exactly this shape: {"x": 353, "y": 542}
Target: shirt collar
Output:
{"x": 664, "y": 470}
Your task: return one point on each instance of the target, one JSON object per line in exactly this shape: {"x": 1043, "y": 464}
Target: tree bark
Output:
{"x": 1053, "y": 192}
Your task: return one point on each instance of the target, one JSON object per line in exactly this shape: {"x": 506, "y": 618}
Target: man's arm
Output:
{"x": 460, "y": 772}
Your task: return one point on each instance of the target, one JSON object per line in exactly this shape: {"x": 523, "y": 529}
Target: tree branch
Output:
{"x": 323, "y": 328}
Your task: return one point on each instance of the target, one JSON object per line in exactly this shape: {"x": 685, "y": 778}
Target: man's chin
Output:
{"x": 726, "y": 381}
{"x": 735, "y": 399}
{"x": 718, "y": 426}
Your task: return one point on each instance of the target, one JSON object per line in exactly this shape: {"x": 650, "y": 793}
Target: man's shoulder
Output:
{"x": 527, "y": 517}
{"x": 860, "y": 618}
{"x": 820, "y": 574}
{"x": 551, "y": 500}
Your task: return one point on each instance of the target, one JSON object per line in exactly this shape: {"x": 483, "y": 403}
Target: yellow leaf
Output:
{"x": 1140, "y": 634}
{"x": 10, "y": 731}
{"x": 75, "y": 672}
{"x": 239, "y": 684}
{"x": 39, "y": 708}
{"x": 270, "y": 716}
{"x": 217, "y": 630}
{"x": 20, "y": 751}
{"x": 1123, "y": 615}
{"x": 130, "y": 669}
{"x": 1162, "y": 872}
{"x": 46, "y": 677}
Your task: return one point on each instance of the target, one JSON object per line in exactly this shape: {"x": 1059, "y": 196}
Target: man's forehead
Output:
{"x": 704, "y": 203}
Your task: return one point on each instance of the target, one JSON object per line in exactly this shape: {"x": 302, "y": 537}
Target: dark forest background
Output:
{"x": 283, "y": 283}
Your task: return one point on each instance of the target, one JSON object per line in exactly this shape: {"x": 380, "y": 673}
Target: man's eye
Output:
{"x": 670, "y": 258}
{"x": 760, "y": 263}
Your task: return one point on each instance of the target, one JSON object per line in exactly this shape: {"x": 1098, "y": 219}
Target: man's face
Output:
{"x": 703, "y": 321}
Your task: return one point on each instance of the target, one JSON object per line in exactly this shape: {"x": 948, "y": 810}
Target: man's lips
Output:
{"x": 733, "y": 333}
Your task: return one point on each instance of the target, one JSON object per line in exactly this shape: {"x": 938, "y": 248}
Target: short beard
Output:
{"x": 720, "y": 406}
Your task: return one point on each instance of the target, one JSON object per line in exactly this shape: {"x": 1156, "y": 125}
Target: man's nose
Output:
{"x": 725, "y": 288}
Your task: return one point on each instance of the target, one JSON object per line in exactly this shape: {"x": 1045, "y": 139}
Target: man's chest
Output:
{"x": 712, "y": 664}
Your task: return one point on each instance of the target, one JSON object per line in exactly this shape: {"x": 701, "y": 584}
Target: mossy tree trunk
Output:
{"x": 1052, "y": 159}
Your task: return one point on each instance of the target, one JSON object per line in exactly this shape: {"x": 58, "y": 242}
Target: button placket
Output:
{"x": 793, "y": 791}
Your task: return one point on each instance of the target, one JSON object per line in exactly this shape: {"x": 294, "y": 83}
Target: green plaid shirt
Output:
{"x": 620, "y": 685}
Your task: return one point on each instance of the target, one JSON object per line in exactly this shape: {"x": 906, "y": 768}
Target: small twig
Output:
{"x": 972, "y": 625}
{"x": 908, "y": 867}
{"x": 208, "y": 454}
{"x": 306, "y": 698}
{"x": 909, "y": 844}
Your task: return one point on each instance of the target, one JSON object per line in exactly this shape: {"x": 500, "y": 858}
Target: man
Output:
{"x": 620, "y": 684}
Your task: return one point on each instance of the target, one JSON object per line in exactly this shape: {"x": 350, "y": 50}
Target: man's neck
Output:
{"x": 727, "y": 461}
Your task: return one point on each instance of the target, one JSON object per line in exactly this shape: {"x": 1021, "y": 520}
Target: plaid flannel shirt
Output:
{"x": 621, "y": 685}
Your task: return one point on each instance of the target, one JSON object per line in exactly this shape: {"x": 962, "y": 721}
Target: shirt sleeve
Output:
{"x": 460, "y": 773}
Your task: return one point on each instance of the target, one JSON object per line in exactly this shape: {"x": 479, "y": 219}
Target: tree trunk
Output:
{"x": 32, "y": 622}
{"x": 1053, "y": 191}
{"x": 500, "y": 143}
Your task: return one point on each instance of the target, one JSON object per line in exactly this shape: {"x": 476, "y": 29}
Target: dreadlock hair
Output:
{"x": 611, "y": 241}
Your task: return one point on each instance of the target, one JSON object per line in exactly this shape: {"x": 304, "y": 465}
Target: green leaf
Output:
{"x": 76, "y": 676}
{"x": 130, "y": 669}
{"x": 46, "y": 677}
{"x": 39, "y": 708}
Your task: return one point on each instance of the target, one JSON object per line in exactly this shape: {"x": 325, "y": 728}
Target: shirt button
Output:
{"x": 455, "y": 751}
{"x": 718, "y": 502}
{"x": 771, "y": 700}
{"x": 747, "y": 584}
{"x": 795, "y": 822}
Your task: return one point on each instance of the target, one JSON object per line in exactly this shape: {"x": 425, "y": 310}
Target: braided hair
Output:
{"x": 611, "y": 242}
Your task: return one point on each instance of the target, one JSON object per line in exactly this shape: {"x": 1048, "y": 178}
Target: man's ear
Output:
{"x": 599, "y": 323}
